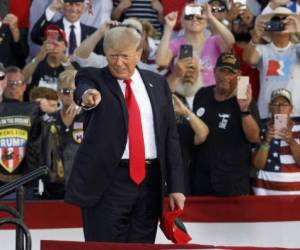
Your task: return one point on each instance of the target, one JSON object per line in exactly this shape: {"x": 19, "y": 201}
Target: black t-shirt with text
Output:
{"x": 222, "y": 163}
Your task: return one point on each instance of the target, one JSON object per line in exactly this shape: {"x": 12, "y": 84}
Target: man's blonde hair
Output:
{"x": 128, "y": 34}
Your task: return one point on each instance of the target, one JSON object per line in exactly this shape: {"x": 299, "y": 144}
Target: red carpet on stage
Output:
{"x": 55, "y": 245}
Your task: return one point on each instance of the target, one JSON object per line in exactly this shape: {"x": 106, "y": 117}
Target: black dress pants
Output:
{"x": 126, "y": 212}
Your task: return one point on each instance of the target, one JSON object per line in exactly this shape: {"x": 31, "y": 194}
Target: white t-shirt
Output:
{"x": 278, "y": 68}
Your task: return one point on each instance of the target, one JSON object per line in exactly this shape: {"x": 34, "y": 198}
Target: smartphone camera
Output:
{"x": 186, "y": 50}
{"x": 52, "y": 36}
{"x": 275, "y": 24}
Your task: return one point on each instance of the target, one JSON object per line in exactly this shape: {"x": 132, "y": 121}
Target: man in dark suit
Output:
{"x": 130, "y": 148}
{"x": 70, "y": 22}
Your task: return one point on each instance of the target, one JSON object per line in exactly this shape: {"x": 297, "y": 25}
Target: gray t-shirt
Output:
{"x": 278, "y": 68}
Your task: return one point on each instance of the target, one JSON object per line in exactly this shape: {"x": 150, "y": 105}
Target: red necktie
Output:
{"x": 135, "y": 135}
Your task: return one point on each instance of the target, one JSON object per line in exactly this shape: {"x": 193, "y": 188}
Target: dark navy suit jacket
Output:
{"x": 105, "y": 136}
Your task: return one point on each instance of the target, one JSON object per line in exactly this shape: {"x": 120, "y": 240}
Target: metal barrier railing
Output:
{"x": 18, "y": 212}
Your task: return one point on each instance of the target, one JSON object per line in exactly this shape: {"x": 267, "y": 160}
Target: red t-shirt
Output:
{"x": 20, "y": 8}
{"x": 177, "y": 5}
{"x": 247, "y": 70}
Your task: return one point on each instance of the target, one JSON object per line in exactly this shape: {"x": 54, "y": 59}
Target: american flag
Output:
{"x": 281, "y": 174}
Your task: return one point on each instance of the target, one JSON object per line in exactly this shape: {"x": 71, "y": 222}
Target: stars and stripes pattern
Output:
{"x": 11, "y": 157}
{"x": 281, "y": 175}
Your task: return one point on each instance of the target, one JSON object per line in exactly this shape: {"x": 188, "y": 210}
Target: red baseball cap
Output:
{"x": 173, "y": 227}
{"x": 60, "y": 31}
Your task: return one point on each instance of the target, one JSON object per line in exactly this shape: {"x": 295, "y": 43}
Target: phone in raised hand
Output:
{"x": 193, "y": 10}
{"x": 280, "y": 122}
{"x": 242, "y": 87}
{"x": 52, "y": 36}
{"x": 186, "y": 50}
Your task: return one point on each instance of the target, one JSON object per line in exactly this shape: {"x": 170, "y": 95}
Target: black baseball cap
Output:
{"x": 229, "y": 61}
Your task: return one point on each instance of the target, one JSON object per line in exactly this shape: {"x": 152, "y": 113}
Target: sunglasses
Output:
{"x": 216, "y": 9}
{"x": 191, "y": 17}
{"x": 14, "y": 82}
{"x": 67, "y": 91}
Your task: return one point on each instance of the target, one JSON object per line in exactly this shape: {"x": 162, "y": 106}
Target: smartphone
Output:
{"x": 242, "y": 87}
{"x": 186, "y": 50}
{"x": 52, "y": 36}
{"x": 274, "y": 25}
{"x": 280, "y": 122}
{"x": 193, "y": 10}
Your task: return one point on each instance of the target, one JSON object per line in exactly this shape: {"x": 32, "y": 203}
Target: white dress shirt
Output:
{"x": 50, "y": 14}
{"x": 143, "y": 101}
{"x": 77, "y": 30}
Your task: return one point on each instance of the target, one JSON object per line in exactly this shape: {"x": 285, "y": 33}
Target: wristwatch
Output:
{"x": 245, "y": 113}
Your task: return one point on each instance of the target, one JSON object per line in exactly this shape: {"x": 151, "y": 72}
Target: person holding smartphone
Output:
{"x": 221, "y": 164}
{"x": 277, "y": 60}
{"x": 206, "y": 49}
{"x": 278, "y": 156}
{"x": 44, "y": 69}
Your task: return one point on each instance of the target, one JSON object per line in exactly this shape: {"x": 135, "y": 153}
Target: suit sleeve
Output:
{"x": 175, "y": 179}
{"x": 20, "y": 48}
{"x": 84, "y": 80}
{"x": 37, "y": 32}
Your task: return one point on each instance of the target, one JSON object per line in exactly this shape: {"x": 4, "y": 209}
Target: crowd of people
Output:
{"x": 215, "y": 111}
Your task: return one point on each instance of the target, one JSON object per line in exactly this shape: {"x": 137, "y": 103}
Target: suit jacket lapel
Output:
{"x": 152, "y": 96}
{"x": 83, "y": 32}
{"x": 114, "y": 87}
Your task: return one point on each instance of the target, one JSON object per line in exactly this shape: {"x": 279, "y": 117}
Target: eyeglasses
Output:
{"x": 14, "y": 82}
{"x": 191, "y": 17}
{"x": 67, "y": 91}
{"x": 215, "y": 9}
{"x": 280, "y": 104}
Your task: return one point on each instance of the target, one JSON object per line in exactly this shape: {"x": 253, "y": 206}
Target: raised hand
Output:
{"x": 125, "y": 4}
{"x": 245, "y": 104}
{"x": 260, "y": 27}
{"x": 207, "y": 13}
{"x": 156, "y": 5}
{"x": 171, "y": 19}
{"x": 247, "y": 17}
{"x": 235, "y": 10}
{"x": 182, "y": 65}
{"x": 270, "y": 134}
{"x": 56, "y": 5}
{"x": 285, "y": 134}
{"x": 70, "y": 114}
{"x": 179, "y": 107}
{"x": 12, "y": 21}
{"x": 291, "y": 25}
